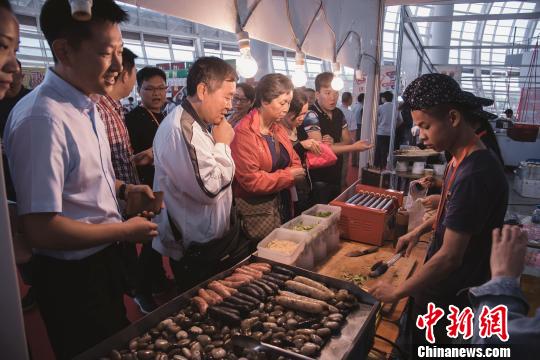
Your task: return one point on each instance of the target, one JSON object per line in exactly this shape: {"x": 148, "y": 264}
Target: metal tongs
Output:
{"x": 380, "y": 267}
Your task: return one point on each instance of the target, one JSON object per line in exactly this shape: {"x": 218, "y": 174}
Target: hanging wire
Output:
{"x": 358, "y": 38}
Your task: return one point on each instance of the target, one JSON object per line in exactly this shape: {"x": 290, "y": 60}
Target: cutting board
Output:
{"x": 339, "y": 264}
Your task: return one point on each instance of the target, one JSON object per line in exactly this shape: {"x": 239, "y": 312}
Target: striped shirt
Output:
{"x": 112, "y": 114}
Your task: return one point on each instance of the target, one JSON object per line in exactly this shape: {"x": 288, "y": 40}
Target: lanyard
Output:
{"x": 153, "y": 116}
{"x": 454, "y": 165}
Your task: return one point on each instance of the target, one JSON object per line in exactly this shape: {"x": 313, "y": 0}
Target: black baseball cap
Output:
{"x": 430, "y": 90}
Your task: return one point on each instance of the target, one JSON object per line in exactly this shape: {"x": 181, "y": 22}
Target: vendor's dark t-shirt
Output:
{"x": 476, "y": 204}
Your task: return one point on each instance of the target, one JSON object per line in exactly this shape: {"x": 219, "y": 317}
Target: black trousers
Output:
{"x": 81, "y": 301}
{"x": 324, "y": 192}
{"x": 381, "y": 150}
{"x": 187, "y": 274}
{"x": 150, "y": 271}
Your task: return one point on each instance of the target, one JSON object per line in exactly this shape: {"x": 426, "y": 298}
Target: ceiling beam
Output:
{"x": 437, "y": 2}
{"x": 502, "y": 46}
{"x": 474, "y": 17}
{"x": 488, "y": 65}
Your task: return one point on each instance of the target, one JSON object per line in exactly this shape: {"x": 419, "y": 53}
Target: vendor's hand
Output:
{"x": 311, "y": 145}
{"x": 427, "y": 182}
{"x": 144, "y": 158}
{"x": 431, "y": 202}
{"x": 407, "y": 242}
{"x": 223, "y": 133}
{"x": 385, "y": 292}
{"x": 361, "y": 145}
{"x": 139, "y": 229}
{"x": 328, "y": 140}
{"x": 508, "y": 252}
{"x": 130, "y": 188}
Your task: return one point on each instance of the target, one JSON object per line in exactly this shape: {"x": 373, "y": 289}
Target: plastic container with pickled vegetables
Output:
{"x": 315, "y": 229}
{"x": 329, "y": 215}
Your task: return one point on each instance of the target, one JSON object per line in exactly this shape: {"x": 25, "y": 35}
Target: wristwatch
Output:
{"x": 122, "y": 191}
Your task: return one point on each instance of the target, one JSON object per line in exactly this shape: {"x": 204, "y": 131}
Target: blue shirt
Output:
{"x": 60, "y": 159}
{"x": 522, "y": 330}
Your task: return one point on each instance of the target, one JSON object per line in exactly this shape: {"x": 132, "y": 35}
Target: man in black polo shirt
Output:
{"x": 142, "y": 124}
{"x": 324, "y": 122}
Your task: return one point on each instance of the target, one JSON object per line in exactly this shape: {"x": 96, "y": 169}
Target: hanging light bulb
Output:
{"x": 299, "y": 77}
{"x": 359, "y": 75}
{"x": 245, "y": 65}
{"x": 337, "y": 82}
{"x": 81, "y": 10}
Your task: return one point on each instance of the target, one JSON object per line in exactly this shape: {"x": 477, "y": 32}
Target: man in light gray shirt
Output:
{"x": 358, "y": 111}
{"x": 384, "y": 128}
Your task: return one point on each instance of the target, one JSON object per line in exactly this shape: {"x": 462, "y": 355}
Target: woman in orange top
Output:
{"x": 266, "y": 163}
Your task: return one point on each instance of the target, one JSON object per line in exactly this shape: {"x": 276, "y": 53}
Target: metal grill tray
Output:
{"x": 354, "y": 341}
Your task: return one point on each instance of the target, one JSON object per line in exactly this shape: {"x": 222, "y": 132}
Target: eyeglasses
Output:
{"x": 153, "y": 89}
{"x": 239, "y": 99}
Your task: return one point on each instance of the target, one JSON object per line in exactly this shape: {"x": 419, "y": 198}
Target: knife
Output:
{"x": 357, "y": 253}
{"x": 380, "y": 267}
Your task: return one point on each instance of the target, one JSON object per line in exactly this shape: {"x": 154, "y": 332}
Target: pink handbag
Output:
{"x": 325, "y": 159}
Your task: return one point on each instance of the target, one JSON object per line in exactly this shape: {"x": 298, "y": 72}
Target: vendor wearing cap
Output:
{"x": 473, "y": 203}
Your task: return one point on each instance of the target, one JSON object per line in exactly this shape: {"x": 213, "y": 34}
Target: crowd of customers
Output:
{"x": 72, "y": 186}
{"x": 228, "y": 154}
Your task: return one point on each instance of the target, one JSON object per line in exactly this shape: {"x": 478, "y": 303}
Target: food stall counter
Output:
{"x": 356, "y": 269}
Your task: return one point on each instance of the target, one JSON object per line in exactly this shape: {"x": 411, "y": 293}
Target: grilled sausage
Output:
{"x": 314, "y": 284}
{"x": 228, "y": 317}
{"x": 210, "y": 300}
{"x": 247, "y": 297}
{"x": 220, "y": 289}
{"x": 233, "y": 284}
{"x": 214, "y": 295}
{"x": 267, "y": 289}
{"x": 201, "y": 304}
{"x": 284, "y": 271}
{"x": 298, "y": 304}
{"x": 270, "y": 278}
{"x": 279, "y": 276}
{"x": 274, "y": 286}
{"x": 262, "y": 265}
{"x": 251, "y": 292}
{"x": 258, "y": 289}
{"x": 239, "y": 277}
{"x": 301, "y": 297}
{"x": 304, "y": 289}
{"x": 244, "y": 272}
{"x": 255, "y": 273}
{"x": 228, "y": 288}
